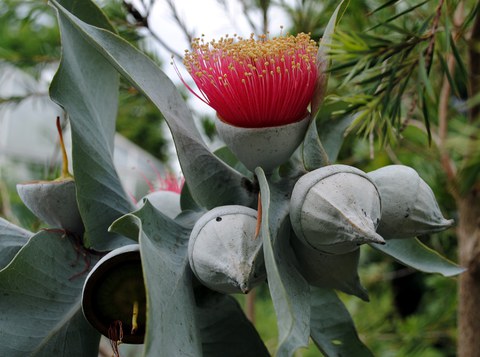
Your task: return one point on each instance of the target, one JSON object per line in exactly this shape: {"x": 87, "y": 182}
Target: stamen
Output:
{"x": 134, "y": 318}
{"x": 254, "y": 83}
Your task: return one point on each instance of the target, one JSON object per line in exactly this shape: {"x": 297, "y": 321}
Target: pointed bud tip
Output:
{"x": 372, "y": 237}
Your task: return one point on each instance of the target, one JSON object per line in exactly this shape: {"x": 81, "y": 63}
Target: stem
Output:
{"x": 436, "y": 22}
{"x": 65, "y": 173}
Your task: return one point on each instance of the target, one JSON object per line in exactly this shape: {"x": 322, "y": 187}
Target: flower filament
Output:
{"x": 255, "y": 83}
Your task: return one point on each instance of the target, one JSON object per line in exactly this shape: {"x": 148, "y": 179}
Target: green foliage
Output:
{"x": 387, "y": 68}
{"x": 28, "y": 35}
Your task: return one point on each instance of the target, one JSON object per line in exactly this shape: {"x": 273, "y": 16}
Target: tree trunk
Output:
{"x": 468, "y": 232}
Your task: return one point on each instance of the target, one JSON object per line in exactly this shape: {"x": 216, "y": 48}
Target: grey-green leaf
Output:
{"x": 332, "y": 328}
{"x": 171, "y": 330}
{"x": 224, "y": 328}
{"x": 289, "y": 290}
{"x": 332, "y": 134}
{"x": 313, "y": 152}
{"x": 413, "y": 253}
{"x": 86, "y": 86}
{"x": 12, "y": 238}
{"x": 41, "y": 291}
{"x": 211, "y": 182}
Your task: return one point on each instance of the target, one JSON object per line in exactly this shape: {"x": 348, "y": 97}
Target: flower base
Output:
{"x": 265, "y": 147}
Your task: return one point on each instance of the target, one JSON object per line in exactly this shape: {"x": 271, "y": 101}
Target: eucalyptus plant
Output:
{"x": 279, "y": 211}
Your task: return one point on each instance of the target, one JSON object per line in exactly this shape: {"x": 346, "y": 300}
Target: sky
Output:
{"x": 208, "y": 17}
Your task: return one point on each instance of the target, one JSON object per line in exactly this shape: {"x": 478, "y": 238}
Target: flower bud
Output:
{"x": 335, "y": 209}
{"x": 409, "y": 207}
{"x": 223, "y": 251}
{"x": 114, "y": 291}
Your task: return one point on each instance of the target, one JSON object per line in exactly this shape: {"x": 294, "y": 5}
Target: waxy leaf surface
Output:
{"x": 224, "y": 328}
{"x": 289, "y": 290}
{"x": 12, "y": 238}
{"x": 413, "y": 253}
{"x": 86, "y": 86}
{"x": 40, "y": 306}
{"x": 332, "y": 328}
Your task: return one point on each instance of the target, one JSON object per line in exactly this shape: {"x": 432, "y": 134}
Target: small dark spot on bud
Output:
{"x": 218, "y": 219}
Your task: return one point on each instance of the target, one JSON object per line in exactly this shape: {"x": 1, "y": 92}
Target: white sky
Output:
{"x": 208, "y": 17}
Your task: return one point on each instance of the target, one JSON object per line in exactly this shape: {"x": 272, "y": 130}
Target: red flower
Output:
{"x": 255, "y": 83}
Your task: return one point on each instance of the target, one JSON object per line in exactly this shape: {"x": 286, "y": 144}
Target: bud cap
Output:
{"x": 223, "y": 251}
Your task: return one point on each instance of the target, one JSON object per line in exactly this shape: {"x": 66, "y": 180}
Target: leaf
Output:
{"x": 227, "y": 156}
{"x": 186, "y": 200}
{"x": 210, "y": 181}
{"x": 86, "y": 86}
{"x": 313, "y": 152}
{"x": 332, "y": 328}
{"x": 332, "y": 134}
{"x": 224, "y": 328}
{"x": 288, "y": 288}
{"x": 413, "y": 253}
{"x": 383, "y": 6}
{"x": 12, "y": 238}
{"x": 41, "y": 292}
{"x": 322, "y": 58}
{"x": 400, "y": 14}
{"x": 170, "y": 301}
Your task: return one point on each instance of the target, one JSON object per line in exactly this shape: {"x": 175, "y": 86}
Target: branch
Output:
{"x": 142, "y": 21}
{"x": 431, "y": 45}
{"x": 183, "y": 26}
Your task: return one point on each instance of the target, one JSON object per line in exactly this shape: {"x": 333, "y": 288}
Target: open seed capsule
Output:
{"x": 335, "y": 209}
{"x": 223, "y": 251}
{"x": 409, "y": 207}
{"x": 114, "y": 296}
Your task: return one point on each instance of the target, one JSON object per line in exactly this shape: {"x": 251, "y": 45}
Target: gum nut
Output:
{"x": 54, "y": 202}
{"x": 335, "y": 209}
{"x": 409, "y": 207}
{"x": 223, "y": 251}
{"x": 111, "y": 290}
{"x": 332, "y": 271}
{"x": 166, "y": 202}
{"x": 265, "y": 147}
